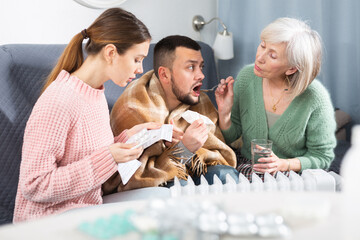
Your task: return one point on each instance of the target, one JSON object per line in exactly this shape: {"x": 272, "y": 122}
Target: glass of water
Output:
{"x": 260, "y": 148}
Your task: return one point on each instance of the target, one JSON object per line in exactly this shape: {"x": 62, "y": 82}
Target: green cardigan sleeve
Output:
{"x": 320, "y": 131}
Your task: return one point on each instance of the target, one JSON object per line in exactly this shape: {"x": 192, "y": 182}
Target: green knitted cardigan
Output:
{"x": 306, "y": 130}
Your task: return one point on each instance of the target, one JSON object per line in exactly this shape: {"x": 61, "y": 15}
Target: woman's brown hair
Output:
{"x": 114, "y": 26}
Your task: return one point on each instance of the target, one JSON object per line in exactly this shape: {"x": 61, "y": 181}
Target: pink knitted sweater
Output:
{"x": 65, "y": 155}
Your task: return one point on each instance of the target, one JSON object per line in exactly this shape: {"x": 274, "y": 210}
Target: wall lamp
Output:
{"x": 223, "y": 45}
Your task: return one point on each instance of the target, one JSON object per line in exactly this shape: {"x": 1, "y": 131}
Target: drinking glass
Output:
{"x": 260, "y": 148}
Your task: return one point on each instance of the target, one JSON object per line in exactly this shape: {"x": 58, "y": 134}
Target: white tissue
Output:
{"x": 191, "y": 116}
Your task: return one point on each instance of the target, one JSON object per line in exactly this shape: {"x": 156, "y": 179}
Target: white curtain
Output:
{"x": 338, "y": 23}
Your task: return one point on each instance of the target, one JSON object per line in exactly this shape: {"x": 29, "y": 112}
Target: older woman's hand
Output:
{"x": 224, "y": 95}
{"x": 272, "y": 164}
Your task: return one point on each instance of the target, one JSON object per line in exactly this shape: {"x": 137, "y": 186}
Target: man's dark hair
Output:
{"x": 164, "y": 50}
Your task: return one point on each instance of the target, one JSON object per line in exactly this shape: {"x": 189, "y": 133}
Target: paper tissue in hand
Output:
{"x": 144, "y": 138}
{"x": 191, "y": 116}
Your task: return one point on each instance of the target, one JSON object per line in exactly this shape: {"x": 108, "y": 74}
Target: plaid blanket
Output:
{"x": 144, "y": 101}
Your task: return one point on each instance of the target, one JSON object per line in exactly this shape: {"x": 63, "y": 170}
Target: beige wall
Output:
{"x": 56, "y": 21}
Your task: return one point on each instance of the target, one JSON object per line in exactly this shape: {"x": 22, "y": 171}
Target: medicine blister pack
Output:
{"x": 141, "y": 138}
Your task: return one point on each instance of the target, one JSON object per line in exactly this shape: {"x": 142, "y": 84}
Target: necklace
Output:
{"x": 273, "y": 99}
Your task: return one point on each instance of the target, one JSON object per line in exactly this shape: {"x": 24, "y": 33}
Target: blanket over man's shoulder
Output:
{"x": 143, "y": 101}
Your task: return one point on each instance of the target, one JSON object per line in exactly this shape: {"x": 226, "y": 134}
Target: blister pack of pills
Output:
{"x": 141, "y": 138}
{"x": 186, "y": 219}
{"x": 144, "y": 139}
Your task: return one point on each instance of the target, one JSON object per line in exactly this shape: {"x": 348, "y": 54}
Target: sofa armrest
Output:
{"x": 342, "y": 119}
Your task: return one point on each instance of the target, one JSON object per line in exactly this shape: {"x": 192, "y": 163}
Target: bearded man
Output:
{"x": 162, "y": 95}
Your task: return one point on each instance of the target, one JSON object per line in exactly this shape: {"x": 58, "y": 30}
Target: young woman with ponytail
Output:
{"x": 69, "y": 150}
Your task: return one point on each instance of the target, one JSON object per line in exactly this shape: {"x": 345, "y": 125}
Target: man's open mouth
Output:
{"x": 196, "y": 89}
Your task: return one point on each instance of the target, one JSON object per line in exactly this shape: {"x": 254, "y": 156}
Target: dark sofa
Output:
{"x": 23, "y": 69}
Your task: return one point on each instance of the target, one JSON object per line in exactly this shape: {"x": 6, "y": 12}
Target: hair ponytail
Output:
{"x": 70, "y": 60}
{"x": 114, "y": 26}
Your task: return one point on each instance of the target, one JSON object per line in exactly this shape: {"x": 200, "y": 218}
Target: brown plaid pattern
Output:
{"x": 144, "y": 101}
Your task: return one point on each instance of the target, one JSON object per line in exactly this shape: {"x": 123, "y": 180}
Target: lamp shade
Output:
{"x": 224, "y": 46}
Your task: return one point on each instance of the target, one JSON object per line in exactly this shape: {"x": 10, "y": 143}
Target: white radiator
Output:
{"x": 310, "y": 180}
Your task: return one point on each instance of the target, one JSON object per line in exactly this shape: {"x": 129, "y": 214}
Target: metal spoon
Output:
{"x": 212, "y": 89}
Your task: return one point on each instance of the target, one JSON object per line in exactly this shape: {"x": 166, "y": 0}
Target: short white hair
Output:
{"x": 303, "y": 51}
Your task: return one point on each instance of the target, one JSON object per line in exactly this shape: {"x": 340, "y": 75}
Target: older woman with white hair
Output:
{"x": 278, "y": 98}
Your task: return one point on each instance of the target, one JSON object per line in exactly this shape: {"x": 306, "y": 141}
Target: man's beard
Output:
{"x": 184, "y": 98}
